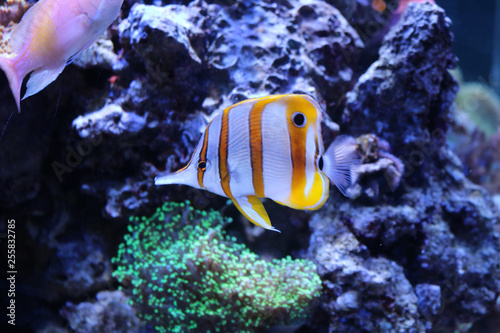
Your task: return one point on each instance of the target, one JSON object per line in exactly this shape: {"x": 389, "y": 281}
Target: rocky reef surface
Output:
{"x": 413, "y": 250}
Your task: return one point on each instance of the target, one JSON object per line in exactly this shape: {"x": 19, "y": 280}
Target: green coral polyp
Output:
{"x": 186, "y": 274}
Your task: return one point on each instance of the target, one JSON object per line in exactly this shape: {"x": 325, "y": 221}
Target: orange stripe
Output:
{"x": 298, "y": 146}
{"x": 203, "y": 157}
{"x": 223, "y": 171}
{"x": 255, "y": 119}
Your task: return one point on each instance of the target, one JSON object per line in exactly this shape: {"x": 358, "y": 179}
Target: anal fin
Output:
{"x": 41, "y": 78}
{"x": 253, "y": 209}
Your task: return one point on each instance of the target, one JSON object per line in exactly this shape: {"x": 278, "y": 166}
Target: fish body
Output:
{"x": 268, "y": 147}
{"x": 50, "y": 35}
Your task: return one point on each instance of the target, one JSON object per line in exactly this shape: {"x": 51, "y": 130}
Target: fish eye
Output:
{"x": 299, "y": 119}
{"x": 202, "y": 165}
{"x": 320, "y": 163}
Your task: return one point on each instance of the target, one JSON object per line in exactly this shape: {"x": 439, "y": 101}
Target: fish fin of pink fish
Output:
{"x": 15, "y": 81}
{"x": 339, "y": 160}
{"x": 41, "y": 78}
{"x": 253, "y": 209}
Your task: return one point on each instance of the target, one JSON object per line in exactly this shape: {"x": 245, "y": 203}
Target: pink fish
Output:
{"x": 50, "y": 35}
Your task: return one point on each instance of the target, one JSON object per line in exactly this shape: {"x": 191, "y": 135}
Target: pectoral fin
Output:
{"x": 41, "y": 78}
{"x": 254, "y": 210}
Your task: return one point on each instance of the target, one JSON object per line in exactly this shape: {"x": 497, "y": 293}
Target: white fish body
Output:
{"x": 268, "y": 147}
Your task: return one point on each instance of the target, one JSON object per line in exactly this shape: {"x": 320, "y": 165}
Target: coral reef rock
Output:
{"x": 100, "y": 54}
{"x": 111, "y": 119}
{"x": 305, "y": 47}
{"x": 110, "y": 313}
{"x": 405, "y": 96}
{"x": 77, "y": 269}
{"x": 425, "y": 257}
{"x": 161, "y": 38}
{"x": 362, "y": 293}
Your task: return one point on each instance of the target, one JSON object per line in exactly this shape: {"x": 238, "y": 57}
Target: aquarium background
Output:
{"x": 100, "y": 248}
{"x": 473, "y": 29}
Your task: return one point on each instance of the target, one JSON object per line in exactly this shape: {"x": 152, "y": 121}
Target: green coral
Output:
{"x": 185, "y": 274}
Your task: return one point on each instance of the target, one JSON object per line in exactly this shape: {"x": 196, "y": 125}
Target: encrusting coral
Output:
{"x": 185, "y": 274}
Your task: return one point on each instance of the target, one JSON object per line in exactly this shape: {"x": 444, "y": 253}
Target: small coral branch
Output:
{"x": 185, "y": 274}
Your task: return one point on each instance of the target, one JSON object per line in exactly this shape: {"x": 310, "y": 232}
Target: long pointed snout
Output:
{"x": 186, "y": 176}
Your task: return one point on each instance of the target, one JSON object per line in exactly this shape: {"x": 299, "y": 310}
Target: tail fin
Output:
{"x": 15, "y": 82}
{"x": 338, "y": 161}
